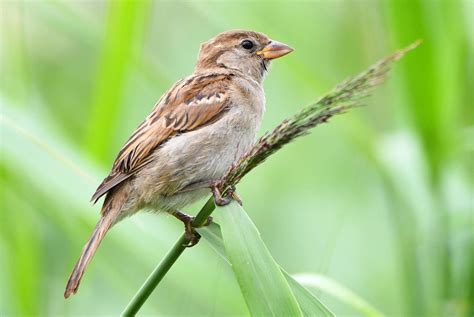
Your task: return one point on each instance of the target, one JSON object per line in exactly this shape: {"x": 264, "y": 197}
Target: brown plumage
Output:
{"x": 189, "y": 104}
{"x": 194, "y": 133}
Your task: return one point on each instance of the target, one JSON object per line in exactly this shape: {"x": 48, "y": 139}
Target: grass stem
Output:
{"x": 164, "y": 266}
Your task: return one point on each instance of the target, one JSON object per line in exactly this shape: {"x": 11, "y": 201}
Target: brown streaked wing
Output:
{"x": 108, "y": 183}
{"x": 191, "y": 103}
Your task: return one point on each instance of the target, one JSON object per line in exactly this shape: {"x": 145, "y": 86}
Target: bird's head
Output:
{"x": 247, "y": 51}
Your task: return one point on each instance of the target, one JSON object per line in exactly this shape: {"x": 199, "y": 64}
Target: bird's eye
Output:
{"x": 247, "y": 44}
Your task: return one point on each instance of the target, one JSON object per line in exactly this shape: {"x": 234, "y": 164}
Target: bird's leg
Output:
{"x": 190, "y": 233}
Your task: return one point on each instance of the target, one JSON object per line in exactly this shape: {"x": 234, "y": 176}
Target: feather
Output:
{"x": 189, "y": 105}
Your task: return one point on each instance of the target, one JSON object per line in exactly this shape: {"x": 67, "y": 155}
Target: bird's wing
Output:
{"x": 189, "y": 105}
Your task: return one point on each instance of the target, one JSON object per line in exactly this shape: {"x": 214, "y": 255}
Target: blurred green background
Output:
{"x": 379, "y": 200}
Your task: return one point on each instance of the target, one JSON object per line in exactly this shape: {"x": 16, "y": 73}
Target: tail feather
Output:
{"x": 91, "y": 246}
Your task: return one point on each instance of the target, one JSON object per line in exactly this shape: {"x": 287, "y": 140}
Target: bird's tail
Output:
{"x": 104, "y": 224}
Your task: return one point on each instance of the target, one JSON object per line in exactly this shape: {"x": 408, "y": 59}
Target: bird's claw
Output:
{"x": 209, "y": 220}
{"x": 223, "y": 201}
{"x": 190, "y": 233}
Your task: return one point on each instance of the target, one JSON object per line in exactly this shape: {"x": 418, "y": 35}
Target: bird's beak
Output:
{"x": 274, "y": 50}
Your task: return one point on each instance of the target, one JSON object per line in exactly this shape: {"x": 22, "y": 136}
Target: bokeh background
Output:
{"x": 380, "y": 200}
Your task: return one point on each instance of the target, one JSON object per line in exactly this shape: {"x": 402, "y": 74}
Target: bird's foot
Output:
{"x": 223, "y": 201}
{"x": 214, "y": 186}
{"x": 190, "y": 233}
{"x": 218, "y": 199}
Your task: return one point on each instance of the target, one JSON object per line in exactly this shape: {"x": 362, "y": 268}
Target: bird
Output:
{"x": 195, "y": 132}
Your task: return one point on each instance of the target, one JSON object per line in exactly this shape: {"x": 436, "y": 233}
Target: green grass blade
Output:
{"x": 125, "y": 28}
{"x": 261, "y": 281}
{"x": 213, "y": 236}
{"x": 339, "y": 291}
{"x": 309, "y": 304}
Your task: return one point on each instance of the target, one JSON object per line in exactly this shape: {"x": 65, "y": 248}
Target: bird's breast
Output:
{"x": 205, "y": 153}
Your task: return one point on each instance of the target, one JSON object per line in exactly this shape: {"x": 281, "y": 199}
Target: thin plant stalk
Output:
{"x": 163, "y": 267}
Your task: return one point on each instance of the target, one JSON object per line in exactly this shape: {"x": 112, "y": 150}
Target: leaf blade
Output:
{"x": 338, "y": 291}
{"x": 309, "y": 304}
{"x": 263, "y": 285}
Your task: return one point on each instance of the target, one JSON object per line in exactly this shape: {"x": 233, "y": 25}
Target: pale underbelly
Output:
{"x": 202, "y": 155}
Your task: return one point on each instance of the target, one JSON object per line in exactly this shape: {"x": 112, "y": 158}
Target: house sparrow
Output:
{"x": 197, "y": 129}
